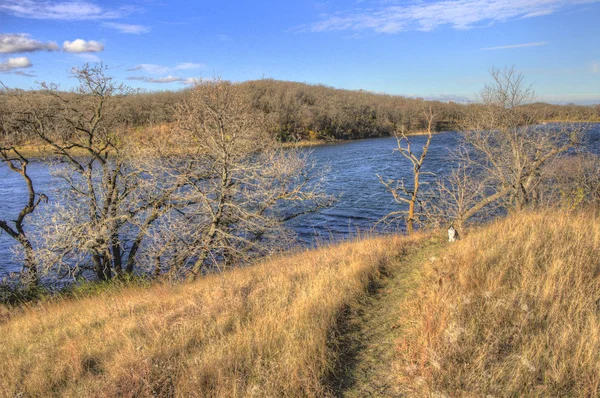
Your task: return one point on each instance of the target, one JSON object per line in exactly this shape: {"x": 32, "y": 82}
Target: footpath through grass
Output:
{"x": 370, "y": 330}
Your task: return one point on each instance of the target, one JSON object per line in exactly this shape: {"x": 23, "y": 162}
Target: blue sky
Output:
{"x": 428, "y": 48}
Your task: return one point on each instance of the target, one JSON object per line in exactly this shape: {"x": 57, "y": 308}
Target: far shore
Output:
{"x": 34, "y": 151}
{"x": 313, "y": 143}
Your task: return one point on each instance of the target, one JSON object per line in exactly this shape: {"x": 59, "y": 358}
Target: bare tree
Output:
{"x": 216, "y": 191}
{"x": 403, "y": 194}
{"x": 107, "y": 200}
{"x": 241, "y": 185}
{"x": 16, "y": 123}
{"x": 18, "y": 163}
{"x": 456, "y": 193}
{"x": 505, "y": 148}
{"x": 572, "y": 181}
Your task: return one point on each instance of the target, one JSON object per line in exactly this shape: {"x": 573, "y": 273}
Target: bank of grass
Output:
{"x": 264, "y": 330}
{"x": 571, "y": 120}
{"x": 512, "y": 310}
{"x": 143, "y": 136}
{"x": 307, "y": 144}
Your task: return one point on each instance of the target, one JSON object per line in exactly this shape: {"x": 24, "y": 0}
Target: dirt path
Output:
{"x": 370, "y": 332}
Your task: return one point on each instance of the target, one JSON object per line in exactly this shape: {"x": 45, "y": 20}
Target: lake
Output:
{"x": 362, "y": 199}
{"x": 354, "y": 165}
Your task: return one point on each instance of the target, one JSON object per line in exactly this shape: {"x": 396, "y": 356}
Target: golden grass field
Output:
{"x": 512, "y": 310}
{"x": 259, "y": 331}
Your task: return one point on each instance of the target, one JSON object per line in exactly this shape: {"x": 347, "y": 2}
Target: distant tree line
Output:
{"x": 299, "y": 112}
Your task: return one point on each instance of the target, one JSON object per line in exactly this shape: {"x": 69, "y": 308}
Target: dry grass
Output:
{"x": 260, "y": 331}
{"x": 512, "y": 310}
{"x": 307, "y": 144}
{"x": 141, "y": 136}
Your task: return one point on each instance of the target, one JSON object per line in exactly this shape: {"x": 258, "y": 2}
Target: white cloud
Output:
{"x": 523, "y": 45}
{"x": 426, "y": 16}
{"x": 595, "y": 67}
{"x": 22, "y": 43}
{"x": 126, "y": 28}
{"x": 168, "y": 79}
{"x": 15, "y": 63}
{"x": 193, "y": 81}
{"x": 160, "y": 69}
{"x": 82, "y": 46}
{"x": 539, "y": 13}
{"x": 61, "y": 10}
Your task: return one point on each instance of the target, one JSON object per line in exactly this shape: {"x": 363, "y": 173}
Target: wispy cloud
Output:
{"x": 189, "y": 81}
{"x": 168, "y": 79}
{"x": 523, "y": 45}
{"x": 82, "y": 46}
{"x": 150, "y": 68}
{"x": 161, "y": 69}
{"x": 392, "y": 17}
{"x": 539, "y": 13}
{"x": 22, "y": 43}
{"x": 15, "y": 63}
{"x": 192, "y": 81}
{"x": 23, "y": 73}
{"x": 127, "y": 28}
{"x": 62, "y": 10}
{"x": 595, "y": 67}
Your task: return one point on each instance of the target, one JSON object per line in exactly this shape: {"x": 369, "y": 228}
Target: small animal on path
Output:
{"x": 452, "y": 234}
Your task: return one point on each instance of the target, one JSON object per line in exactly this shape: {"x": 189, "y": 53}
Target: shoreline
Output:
{"x": 33, "y": 151}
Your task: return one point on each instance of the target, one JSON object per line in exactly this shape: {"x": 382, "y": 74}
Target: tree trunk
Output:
{"x": 117, "y": 255}
{"x": 216, "y": 221}
{"x": 32, "y": 277}
{"x": 102, "y": 267}
{"x": 410, "y": 218}
{"x": 522, "y": 199}
{"x": 157, "y": 266}
{"x": 414, "y": 196}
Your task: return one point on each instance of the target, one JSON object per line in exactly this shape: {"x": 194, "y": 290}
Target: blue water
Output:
{"x": 362, "y": 200}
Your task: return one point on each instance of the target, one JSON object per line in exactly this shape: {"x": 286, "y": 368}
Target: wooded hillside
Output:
{"x": 299, "y": 111}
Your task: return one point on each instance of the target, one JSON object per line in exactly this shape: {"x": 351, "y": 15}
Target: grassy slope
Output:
{"x": 512, "y": 310}
{"x": 259, "y": 331}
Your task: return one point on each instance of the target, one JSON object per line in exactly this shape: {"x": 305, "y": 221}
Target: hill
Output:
{"x": 293, "y": 111}
{"x": 510, "y": 310}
